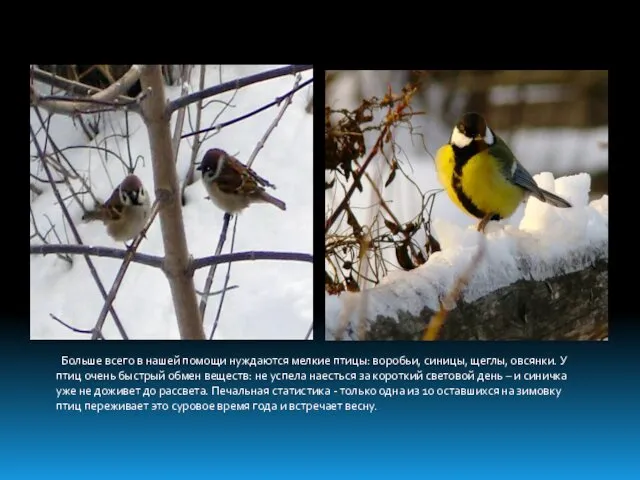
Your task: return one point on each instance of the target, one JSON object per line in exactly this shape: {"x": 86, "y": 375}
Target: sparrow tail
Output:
{"x": 554, "y": 200}
{"x": 92, "y": 215}
{"x": 265, "y": 197}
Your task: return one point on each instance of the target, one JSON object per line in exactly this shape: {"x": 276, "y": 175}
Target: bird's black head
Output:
{"x": 472, "y": 125}
{"x": 210, "y": 160}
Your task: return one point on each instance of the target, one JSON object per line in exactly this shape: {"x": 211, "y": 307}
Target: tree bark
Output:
{"x": 167, "y": 190}
{"x": 567, "y": 307}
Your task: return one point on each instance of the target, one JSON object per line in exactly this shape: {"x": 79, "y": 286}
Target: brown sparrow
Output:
{"x": 231, "y": 185}
{"x": 125, "y": 212}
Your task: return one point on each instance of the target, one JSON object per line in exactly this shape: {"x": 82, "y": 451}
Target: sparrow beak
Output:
{"x": 199, "y": 167}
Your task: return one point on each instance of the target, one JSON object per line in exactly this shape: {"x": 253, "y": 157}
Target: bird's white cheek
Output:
{"x": 459, "y": 139}
{"x": 488, "y": 137}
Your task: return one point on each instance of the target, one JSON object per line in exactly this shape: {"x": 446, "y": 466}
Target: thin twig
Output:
{"x": 276, "y": 102}
{"x": 67, "y": 215}
{"x": 226, "y": 281}
{"x": 73, "y": 329}
{"x": 287, "y": 101}
{"x": 227, "y": 217}
{"x": 207, "y": 284}
{"x": 356, "y": 176}
{"x": 235, "y": 84}
{"x": 309, "y": 332}
{"x": 70, "y": 86}
{"x": 218, "y": 292}
{"x": 188, "y": 179}
{"x": 110, "y": 93}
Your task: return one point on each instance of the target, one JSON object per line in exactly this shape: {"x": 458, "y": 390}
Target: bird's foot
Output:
{"x": 483, "y": 223}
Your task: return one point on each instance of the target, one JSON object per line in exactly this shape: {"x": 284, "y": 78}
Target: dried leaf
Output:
{"x": 418, "y": 256}
{"x": 403, "y": 256}
{"x": 393, "y": 227}
{"x": 410, "y": 228}
{"x": 432, "y": 245}
{"x": 352, "y": 221}
{"x": 352, "y": 285}
{"x": 392, "y": 176}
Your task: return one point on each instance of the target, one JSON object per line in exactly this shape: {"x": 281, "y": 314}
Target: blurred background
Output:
{"x": 554, "y": 120}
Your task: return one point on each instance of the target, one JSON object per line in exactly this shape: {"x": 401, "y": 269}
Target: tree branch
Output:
{"x": 158, "y": 262}
{"x": 152, "y": 215}
{"x": 109, "y": 94}
{"x": 244, "y": 256}
{"x": 106, "y": 252}
{"x": 276, "y": 102}
{"x": 167, "y": 187}
{"x": 71, "y": 86}
{"x": 233, "y": 85}
{"x": 67, "y": 215}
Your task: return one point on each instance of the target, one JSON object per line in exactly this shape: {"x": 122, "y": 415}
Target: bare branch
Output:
{"x": 250, "y": 256}
{"x": 226, "y": 282}
{"x": 107, "y": 252}
{"x": 276, "y": 102}
{"x": 188, "y": 179}
{"x": 71, "y": 86}
{"x": 309, "y": 332}
{"x": 67, "y": 215}
{"x": 274, "y": 124}
{"x": 235, "y": 84}
{"x": 158, "y": 262}
{"x": 168, "y": 195}
{"x": 109, "y": 94}
{"x": 73, "y": 329}
{"x": 212, "y": 271}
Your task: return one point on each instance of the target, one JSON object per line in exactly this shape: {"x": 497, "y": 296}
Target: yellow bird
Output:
{"x": 482, "y": 176}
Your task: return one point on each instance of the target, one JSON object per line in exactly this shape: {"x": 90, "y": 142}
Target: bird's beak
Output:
{"x": 479, "y": 137}
{"x": 199, "y": 167}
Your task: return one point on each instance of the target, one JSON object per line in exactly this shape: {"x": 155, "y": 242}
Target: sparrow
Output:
{"x": 125, "y": 212}
{"x": 231, "y": 185}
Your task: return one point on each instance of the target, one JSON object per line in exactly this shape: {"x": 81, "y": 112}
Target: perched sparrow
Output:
{"x": 232, "y": 186}
{"x": 125, "y": 212}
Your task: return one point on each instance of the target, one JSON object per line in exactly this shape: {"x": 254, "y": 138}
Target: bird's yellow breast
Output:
{"x": 479, "y": 188}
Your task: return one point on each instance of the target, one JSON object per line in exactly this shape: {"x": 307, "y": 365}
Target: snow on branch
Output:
{"x": 546, "y": 280}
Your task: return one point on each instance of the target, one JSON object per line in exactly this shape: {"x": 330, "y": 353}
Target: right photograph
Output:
{"x": 466, "y": 205}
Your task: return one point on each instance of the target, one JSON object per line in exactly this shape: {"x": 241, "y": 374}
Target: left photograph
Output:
{"x": 171, "y": 202}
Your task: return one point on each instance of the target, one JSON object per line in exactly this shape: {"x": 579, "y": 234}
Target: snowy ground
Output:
{"x": 544, "y": 236}
{"x": 273, "y": 299}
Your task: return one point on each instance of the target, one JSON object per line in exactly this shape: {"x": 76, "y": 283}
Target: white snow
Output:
{"x": 547, "y": 242}
{"x": 273, "y": 299}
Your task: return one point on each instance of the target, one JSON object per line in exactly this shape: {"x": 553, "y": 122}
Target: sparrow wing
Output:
{"x": 113, "y": 206}
{"x": 246, "y": 171}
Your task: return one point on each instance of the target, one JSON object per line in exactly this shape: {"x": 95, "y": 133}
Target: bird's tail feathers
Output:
{"x": 554, "y": 200}
{"x": 93, "y": 215}
{"x": 265, "y": 197}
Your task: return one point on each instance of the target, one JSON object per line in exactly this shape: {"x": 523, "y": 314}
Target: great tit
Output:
{"x": 481, "y": 174}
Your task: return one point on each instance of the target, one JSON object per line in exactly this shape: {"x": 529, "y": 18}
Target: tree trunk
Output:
{"x": 167, "y": 190}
